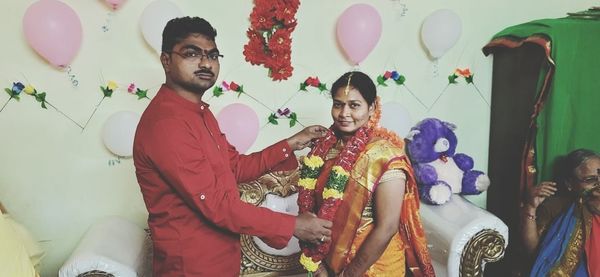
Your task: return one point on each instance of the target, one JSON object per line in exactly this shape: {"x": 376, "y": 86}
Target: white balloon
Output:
{"x": 286, "y": 205}
{"x": 153, "y": 20}
{"x": 440, "y": 31}
{"x": 118, "y": 132}
{"x": 396, "y": 118}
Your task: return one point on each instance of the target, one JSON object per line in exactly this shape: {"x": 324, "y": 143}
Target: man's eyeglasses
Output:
{"x": 195, "y": 56}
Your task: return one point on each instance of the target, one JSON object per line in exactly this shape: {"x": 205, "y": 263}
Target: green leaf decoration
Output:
{"x": 322, "y": 87}
{"x": 141, "y": 93}
{"x": 273, "y": 119}
{"x": 469, "y": 79}
{"x": 381, "y": 81}
{"x": 217, "y": 91}
{"x": 452, "y": 79}
{"x": 303, "y": 86}
{"x": 107, "y": 92}
{"x": 293, "y": 119}
{"x": 401, "y": 79}
{"x": 9, "y": 91}
{"x": 40, "y": 97}
{"x": 241, "y": 89}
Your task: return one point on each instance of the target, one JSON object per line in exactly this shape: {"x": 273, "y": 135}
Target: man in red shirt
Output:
{"x": 188, "y": 172}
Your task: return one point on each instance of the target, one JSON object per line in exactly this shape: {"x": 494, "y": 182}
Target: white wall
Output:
{"x": 57, "y": 180}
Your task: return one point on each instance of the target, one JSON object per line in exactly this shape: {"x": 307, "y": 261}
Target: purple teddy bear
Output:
{"x": 439, "y": 171}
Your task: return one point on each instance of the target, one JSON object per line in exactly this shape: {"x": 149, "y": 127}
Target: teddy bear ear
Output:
{"x": 412, "y": 133}
{"x": 450, "y": 125}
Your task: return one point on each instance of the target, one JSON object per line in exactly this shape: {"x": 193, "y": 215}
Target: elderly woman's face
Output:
{"x": 588, "y": 183}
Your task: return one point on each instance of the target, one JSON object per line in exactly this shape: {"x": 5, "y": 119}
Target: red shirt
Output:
{"x": 188, "y": 175}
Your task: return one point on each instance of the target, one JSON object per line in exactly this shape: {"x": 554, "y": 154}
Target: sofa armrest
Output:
{"x": 462, "y": 237}
{"x": 110, "y": 247}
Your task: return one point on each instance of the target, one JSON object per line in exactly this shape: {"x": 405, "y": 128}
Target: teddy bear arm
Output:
{"x": 426, "y": 174}
{"x": 463, "y": 161}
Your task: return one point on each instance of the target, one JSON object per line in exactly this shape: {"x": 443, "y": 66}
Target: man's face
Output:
{"x": 193, "y": 63}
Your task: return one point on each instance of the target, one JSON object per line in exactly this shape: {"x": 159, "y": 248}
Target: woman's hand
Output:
{"x": 537, "y": 194}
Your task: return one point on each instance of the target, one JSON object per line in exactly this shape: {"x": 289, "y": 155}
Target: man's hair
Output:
{"x": 177, "y": 29}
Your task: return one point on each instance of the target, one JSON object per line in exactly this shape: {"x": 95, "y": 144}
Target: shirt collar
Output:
{"x": 187, "y": 104}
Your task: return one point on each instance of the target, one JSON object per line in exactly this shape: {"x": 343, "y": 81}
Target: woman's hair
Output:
{"x": 565, "y": 166}
{"x": 178, "y": 29}
{"x": 360, "y": 81}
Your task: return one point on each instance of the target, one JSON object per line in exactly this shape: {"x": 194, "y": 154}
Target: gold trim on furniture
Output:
{"x": 255, "y": 262}
{"x": 485, "y": 247}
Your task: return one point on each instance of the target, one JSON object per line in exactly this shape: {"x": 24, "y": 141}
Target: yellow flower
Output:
{"x": 112, "y": 85}
{"x": 308, "y": 263}
{"x": 340, "y": 170}
{"x": 313, "y": 162}
{"x": 307, "y": 183}
{"x": 29, "y": 89}
{"x": 332, "y": 193}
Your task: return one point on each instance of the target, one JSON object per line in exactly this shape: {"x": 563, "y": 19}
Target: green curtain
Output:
{"x": 569, "y": 108}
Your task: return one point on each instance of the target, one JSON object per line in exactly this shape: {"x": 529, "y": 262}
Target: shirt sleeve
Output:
{"x": 184, "y": 165}
{"x": 276, "y": 157}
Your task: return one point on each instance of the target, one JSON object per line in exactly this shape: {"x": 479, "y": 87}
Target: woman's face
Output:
{"x": 588, "y": 179}
{"x": 350, "y": 111}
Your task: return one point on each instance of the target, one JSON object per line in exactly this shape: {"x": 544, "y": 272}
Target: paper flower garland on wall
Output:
{"x": 17, "y": 88}
{"x": 271, "y": 25}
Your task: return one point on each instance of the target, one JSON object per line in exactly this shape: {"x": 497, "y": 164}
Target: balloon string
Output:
{"x": 72, "y": 77}
{"x": 106, "y": 26}
{"x": 436, "y": 68}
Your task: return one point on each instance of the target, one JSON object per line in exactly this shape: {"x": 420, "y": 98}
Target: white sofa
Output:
{"x": 461, "y": 237}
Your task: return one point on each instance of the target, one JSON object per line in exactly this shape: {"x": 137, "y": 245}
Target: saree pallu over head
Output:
{"x": 570, "y": 246}
{"x": 378, "y": 156}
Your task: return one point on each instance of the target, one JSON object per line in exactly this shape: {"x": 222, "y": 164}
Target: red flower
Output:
{"x": 269, "y": 44}
{"x": 387, "y": 75}
{"x": 233, "y": 86}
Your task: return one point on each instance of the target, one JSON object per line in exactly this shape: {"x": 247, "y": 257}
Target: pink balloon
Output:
{"x": 358, "y": 31}
{"x": 114, "y": 4}
{"x": 240, "y": 124}
{"x": 53, "y": 30}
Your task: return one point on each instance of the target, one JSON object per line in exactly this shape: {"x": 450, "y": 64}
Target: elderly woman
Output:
{"x": 569, "y": 224}
{"x": 359, "y": 177}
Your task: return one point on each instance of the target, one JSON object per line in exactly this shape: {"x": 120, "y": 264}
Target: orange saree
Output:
{"x": 407, "y": 252}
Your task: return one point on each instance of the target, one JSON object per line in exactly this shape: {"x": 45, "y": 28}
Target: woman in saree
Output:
{"x": 359, "y": 177}
{"x": 569, "y": 223}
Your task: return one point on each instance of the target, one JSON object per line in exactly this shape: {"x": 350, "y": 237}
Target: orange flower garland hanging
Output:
{"x": 270, "y": 44}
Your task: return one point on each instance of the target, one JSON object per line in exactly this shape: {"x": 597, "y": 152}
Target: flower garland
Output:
{"x": 271, "y": 25}
{"x": 283, "y": 113}
{"x": 465, "y": 73}
{"x": 333, "y": 191}
{"x": 141, "y": 93}
{"x": 398, "y": 78}
{"x": 313, "y": 82}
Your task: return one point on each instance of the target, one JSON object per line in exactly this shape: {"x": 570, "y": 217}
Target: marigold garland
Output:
{"x": 334, "y": 188}
{"x": 271, "y": 25}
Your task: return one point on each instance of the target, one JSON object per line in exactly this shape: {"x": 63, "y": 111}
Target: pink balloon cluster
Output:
{"x": 53, "y": 30}
{"x": 358, "y": 31}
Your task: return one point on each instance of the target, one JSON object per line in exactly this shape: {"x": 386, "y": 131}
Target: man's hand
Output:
{"x": 312, "y": 229}
{"x": 303, "y": 138}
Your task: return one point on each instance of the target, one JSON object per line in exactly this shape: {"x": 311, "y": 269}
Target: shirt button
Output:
{"x": 202, "y": 197}
{"x": 284, "y": 150}
{"x": 286, "y": 155}
{"x": 202, "y": 107}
